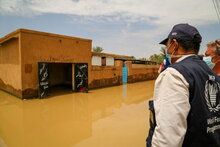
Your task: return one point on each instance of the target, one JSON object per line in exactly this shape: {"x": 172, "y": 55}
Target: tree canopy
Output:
{"x": 97, "y": 49}
{"x": 158, "y": 57}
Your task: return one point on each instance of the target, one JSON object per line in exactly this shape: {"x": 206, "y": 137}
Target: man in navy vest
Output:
{"x": 186, "y": 95}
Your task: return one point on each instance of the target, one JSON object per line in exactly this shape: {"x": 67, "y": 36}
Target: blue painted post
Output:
{"x": 124, "y": 74}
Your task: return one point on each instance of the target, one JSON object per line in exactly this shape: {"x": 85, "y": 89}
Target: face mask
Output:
{"x": 167, "y": 60}
{"x": 169, "y": 57}
{"x": 208, "y": 61}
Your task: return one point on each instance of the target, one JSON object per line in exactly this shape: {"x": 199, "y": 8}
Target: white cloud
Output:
{"x": 142, "y": 43}
{"x": 166, "y": 11}
{"x": 162, "y": 14}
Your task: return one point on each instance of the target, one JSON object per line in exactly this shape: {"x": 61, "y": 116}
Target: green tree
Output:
{"x": 133, "y": 57}
{"x": 163, "y": 51}
{"x": 97, "y": 49}
{"x": 158, "y": 57}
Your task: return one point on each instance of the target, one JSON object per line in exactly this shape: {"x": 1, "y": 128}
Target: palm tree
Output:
{"x": 163, "y": 51}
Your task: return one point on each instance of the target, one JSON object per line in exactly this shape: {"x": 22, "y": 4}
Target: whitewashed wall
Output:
{"x": 109, "y": 61}
{"x": 96, "y": 60}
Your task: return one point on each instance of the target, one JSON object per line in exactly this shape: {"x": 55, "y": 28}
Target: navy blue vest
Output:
{"x": 152, "y": 121}
{"x": 203, "y": 121}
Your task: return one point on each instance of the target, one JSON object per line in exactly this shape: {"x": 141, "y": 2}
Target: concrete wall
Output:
{"x": 44, "y": 47}
{"x": 10, "y": 67}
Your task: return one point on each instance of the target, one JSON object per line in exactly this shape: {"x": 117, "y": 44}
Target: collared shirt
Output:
{"x": 171, "y": 103}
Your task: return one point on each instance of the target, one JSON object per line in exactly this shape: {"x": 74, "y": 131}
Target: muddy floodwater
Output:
{"x": 108, "y": 117}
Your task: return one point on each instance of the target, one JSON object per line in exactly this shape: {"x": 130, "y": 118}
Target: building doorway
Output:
{"x": 62, "y": 78}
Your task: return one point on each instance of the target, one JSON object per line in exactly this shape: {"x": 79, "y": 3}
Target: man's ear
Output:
{"x": 175, "y": 44}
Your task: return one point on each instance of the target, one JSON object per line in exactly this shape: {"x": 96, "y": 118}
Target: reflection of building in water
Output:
{"x": 125, "y": 91}
{"x": 68, "y": 119}
{"x": 138, "y": 94}
{"x": 35, "y": 64}
{"x": 52, "y": 122}
{"x": 2, "y": 143}
{"x": 58, "y": 121}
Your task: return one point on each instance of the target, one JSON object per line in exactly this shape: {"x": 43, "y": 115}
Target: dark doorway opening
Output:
{"x": 60, "y": 78}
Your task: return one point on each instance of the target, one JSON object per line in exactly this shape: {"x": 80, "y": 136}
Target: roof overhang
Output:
{"x": 8, "y": 39}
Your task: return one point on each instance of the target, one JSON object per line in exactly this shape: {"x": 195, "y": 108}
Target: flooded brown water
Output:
{"x": 109, "y": 117}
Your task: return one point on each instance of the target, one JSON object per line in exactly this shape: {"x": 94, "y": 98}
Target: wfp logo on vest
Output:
{"x": 212, "y": 89}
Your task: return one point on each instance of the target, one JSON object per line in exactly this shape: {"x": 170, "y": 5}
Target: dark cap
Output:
{"x": 181, "y": 31}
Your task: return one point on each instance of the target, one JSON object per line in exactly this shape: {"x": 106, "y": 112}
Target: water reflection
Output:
{"x": 115, "y": 116}
{"x": 124, "y": 90}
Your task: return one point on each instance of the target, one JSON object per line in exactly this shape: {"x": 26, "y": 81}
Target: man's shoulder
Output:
{"x": 169, "y": 69}
{"x": 169, "y": 72}
{"x": 189, "y": 63}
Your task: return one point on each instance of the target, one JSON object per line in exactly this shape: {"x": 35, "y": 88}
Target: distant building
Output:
{"x": 105, "y": 59}
{"x": 34, "y": 64}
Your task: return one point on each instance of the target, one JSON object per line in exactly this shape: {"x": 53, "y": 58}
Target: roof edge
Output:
{"x": 52, "y": 34}
{"x": 110, "y": 55}
{"x": 9, "y": 36}
{"x": 40, "y": 33}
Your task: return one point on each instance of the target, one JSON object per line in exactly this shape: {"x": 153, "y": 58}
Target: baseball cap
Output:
{"x": 181, "y": 31}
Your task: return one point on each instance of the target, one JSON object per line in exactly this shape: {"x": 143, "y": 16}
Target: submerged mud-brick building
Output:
{"x": 33, "y": 63}
{"x": 26, "y": 56}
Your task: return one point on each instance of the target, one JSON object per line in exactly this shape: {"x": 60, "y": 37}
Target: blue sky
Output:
{"x": 127, "y": 27}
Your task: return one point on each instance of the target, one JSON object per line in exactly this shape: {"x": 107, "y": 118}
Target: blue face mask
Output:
{"x": 208, "y": 61}
{"x": 167, "y": 60}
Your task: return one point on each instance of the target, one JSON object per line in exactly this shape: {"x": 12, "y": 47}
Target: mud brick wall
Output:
{"x": 103, "y": 76}
{"x": 141, "y": 72}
